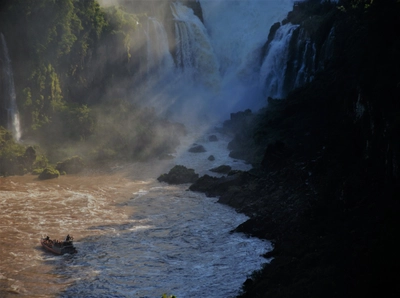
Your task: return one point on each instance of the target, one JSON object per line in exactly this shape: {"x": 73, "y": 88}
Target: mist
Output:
{"x": 199, "y": 67}
{"x": 85, "y": 87}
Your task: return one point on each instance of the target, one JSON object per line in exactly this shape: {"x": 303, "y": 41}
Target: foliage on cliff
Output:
{"x": 55, "y": 55}
{"x": 16, "y": 159}
{"x": 73, "y": 61}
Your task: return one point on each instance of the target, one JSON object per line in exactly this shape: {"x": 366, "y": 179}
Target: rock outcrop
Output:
{"x": 49, "y": 173}
{"x": 179, "y": 175}
{"x": 73, "y": 165}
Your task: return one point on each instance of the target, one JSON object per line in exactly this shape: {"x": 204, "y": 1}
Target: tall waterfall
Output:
{"x": 8, "y": 92}
{"x": 214, "y": 68}
{"x": 194, "y": 53}
{"x": 238, "y": 29}
{"x": 273, "y": 69}
{"x": 159, "y": 60}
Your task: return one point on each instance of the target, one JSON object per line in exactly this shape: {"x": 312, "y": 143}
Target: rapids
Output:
{"x": 135, "y": 237}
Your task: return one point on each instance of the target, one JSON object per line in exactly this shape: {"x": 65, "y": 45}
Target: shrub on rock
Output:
{"x": 49, "y": 173}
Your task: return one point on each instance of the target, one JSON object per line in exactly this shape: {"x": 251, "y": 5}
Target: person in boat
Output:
{"x": 68, "y": 238}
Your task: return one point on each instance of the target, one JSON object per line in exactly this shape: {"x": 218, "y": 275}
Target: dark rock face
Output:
{"x": 213, "y": 138}
{"x": 327, "y": 185}
{"x": 211, "y": 158}
{"x": 224, "y": 169}
{"x": 240, "y": 126}
{"x": 30, "y": 155}
{"x": 73, "y": 165}
{"x": 197, "y": 149}
{"x": 275, "y": 155}
{"x": 227, "y": 188}
{"x": 179, "y": 175}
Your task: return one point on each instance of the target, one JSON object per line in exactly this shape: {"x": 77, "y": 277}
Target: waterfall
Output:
{"x": 159, "y": 60}
{"x": 194, "y": 53}
{"x": 305, "y": 62}
{"x": 274, "y": 67}
{"x": 10, "y": 100}
{"x": 214, "y": 66}
{"x": 292, "y": 59}
{"x": 237, "y": 30}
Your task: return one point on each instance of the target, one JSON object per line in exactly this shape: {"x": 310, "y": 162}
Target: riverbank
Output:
{"x": 331, "y": 213}
{"x": 322, "y": 248}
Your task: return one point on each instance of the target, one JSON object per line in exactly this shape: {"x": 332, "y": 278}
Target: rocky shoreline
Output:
{"x": 320, "y": 249}
{"x": 332, "y": 236}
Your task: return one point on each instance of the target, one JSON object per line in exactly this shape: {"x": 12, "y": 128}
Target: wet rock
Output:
{"x": 213, "y": 186}
{"x": 179, "y": 175}
{"x": 73, "y": 165}
{"x": 49, "y": 173}
{"x": 224, "y": 169}
{"x": 197, "y": 149}
{"x": 213, "y": 138}
{"x": 275, "y": 156}
{"x": 30, "y": 155}
{"x": 211, "y": 158}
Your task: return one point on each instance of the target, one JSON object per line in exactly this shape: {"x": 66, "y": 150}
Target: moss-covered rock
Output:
{"x": 72, "y": 165}
{"x": 49, "y": 173}
{"x": 12, "y": 161}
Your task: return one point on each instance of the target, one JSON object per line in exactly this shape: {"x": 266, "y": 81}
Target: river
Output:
{"x": 135, "y": 237}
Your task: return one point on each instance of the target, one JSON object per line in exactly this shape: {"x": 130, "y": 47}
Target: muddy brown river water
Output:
{"x": 135, "y": 237}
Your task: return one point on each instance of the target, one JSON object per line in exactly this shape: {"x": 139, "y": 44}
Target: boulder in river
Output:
{"x": 213, "y": 138}
{"x": 197, "y": 149}
{"x": 49, "y": 173}
{"x": 72, "y": 165}
{"x": 223, "y": 169}
{"x": 179, "y": 175}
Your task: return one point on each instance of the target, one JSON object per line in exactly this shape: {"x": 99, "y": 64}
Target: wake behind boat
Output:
{"x": 59, "y": 247}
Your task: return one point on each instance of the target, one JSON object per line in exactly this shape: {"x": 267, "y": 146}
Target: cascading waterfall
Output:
{"x": 238, "y": 30}
{"x": 159, "y": 61}
{"x": 307, "y": 59}
{"x": 293, "y": 57}
{"x": 274, "y": 66}
{"x": 194, "y": 53}
{"x": 216, "y": 63}
{"x": 186, "y": 69}
{"x": 301, "y": 63}
{"x": 214, "y": 66}
{"x": 10, "y": 100}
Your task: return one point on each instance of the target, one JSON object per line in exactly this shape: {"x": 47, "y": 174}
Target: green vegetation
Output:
{"x": 16, "y": 159}
{"x": 74, "y": 67}
{"x": 71, "y": 165}
{"x": 49, "y": 173}
{"x": 11, "y": 154}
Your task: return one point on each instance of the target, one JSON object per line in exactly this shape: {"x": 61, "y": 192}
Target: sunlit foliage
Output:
{"x": 67, "y": 59}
